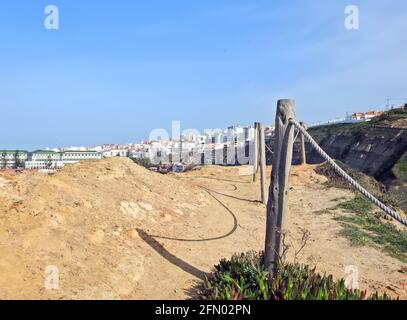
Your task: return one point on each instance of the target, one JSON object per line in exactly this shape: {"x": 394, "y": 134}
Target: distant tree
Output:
{"x": 49, "y": 162}
{"x": 144, "y": 162}
{"x": 17, "y": 162}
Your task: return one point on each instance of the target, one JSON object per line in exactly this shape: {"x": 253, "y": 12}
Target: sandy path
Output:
{"x": 325, "y": 249}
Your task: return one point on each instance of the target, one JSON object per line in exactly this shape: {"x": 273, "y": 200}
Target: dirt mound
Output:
{"x": 82, "y": 218}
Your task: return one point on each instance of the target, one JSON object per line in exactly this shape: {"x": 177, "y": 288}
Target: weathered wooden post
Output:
{"x": 256, "y": 151}
{"x": 277, "y": 203}
{"x": 303, "y": 152}
{"x": 262, "y": 158}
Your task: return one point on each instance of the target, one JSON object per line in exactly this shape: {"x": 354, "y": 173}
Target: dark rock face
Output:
{"x": 373, "y": 150}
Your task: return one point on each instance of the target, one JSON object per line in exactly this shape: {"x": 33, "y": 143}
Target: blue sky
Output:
{"x": 115, "y": 70}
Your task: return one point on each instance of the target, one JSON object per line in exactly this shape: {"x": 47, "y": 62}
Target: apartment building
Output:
{"x": 44, "y": 159}
{"x": 12, "y": 159}
{"x": 366, "y": 115}
{"x": 115, "y": 153}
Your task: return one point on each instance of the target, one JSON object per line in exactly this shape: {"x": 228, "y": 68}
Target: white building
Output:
{"x": 115, "y": 153}
{"x": 249, "y": 133}
{"x": 43, "y": 159}
{"x": 366, "y": 116}
{"x": 12, "y": 159}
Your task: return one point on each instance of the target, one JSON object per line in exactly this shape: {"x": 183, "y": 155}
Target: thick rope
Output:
{"x": 348, "y": 178}
{"x": 269, "y": 149}
{"x": 296, "y": 136}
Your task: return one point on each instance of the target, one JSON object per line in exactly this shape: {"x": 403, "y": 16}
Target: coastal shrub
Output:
{"x": 400, "y": 169}
{"x": 144, "y": 162}
{"x": 366, "y": 227}
{"x": 244, "y": 277}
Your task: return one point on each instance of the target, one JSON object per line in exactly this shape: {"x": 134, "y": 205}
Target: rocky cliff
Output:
{"x": 373, "y": 148}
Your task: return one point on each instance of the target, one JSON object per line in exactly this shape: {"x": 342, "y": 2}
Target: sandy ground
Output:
{"x": 112, "y": 230}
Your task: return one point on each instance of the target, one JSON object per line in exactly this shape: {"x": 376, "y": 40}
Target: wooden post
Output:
{"x": 303, "y": 152}
{"x": 277, "y": 203}
{"x": 262, "y": 158}
{"x": 256, "y": 151}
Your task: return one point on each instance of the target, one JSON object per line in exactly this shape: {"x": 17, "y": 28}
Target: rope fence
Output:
{"x": 268, "y": 148}
{"x": 296, "y": 136}
{"x": 277, "y": 207}
{"x": 346, "y": 176}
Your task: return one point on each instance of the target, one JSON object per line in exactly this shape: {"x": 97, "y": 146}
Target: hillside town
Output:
{"x": 187, "y": 149}
{"x": 212, "y": 147}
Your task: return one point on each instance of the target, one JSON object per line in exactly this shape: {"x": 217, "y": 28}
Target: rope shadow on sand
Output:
{"x": 235, "y": 224}
{"x": 159, "y": 248}
{"x": 229, "y": 195}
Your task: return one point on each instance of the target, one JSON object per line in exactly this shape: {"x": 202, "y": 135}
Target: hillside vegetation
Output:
{"x": 400, "y": 169}
{"x": 396, "y": 118}
{"x": 368, "y": 225}
{"x": 245, "y": 277}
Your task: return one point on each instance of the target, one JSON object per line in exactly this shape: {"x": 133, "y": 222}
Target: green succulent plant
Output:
{"x": 245, "y": 277}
